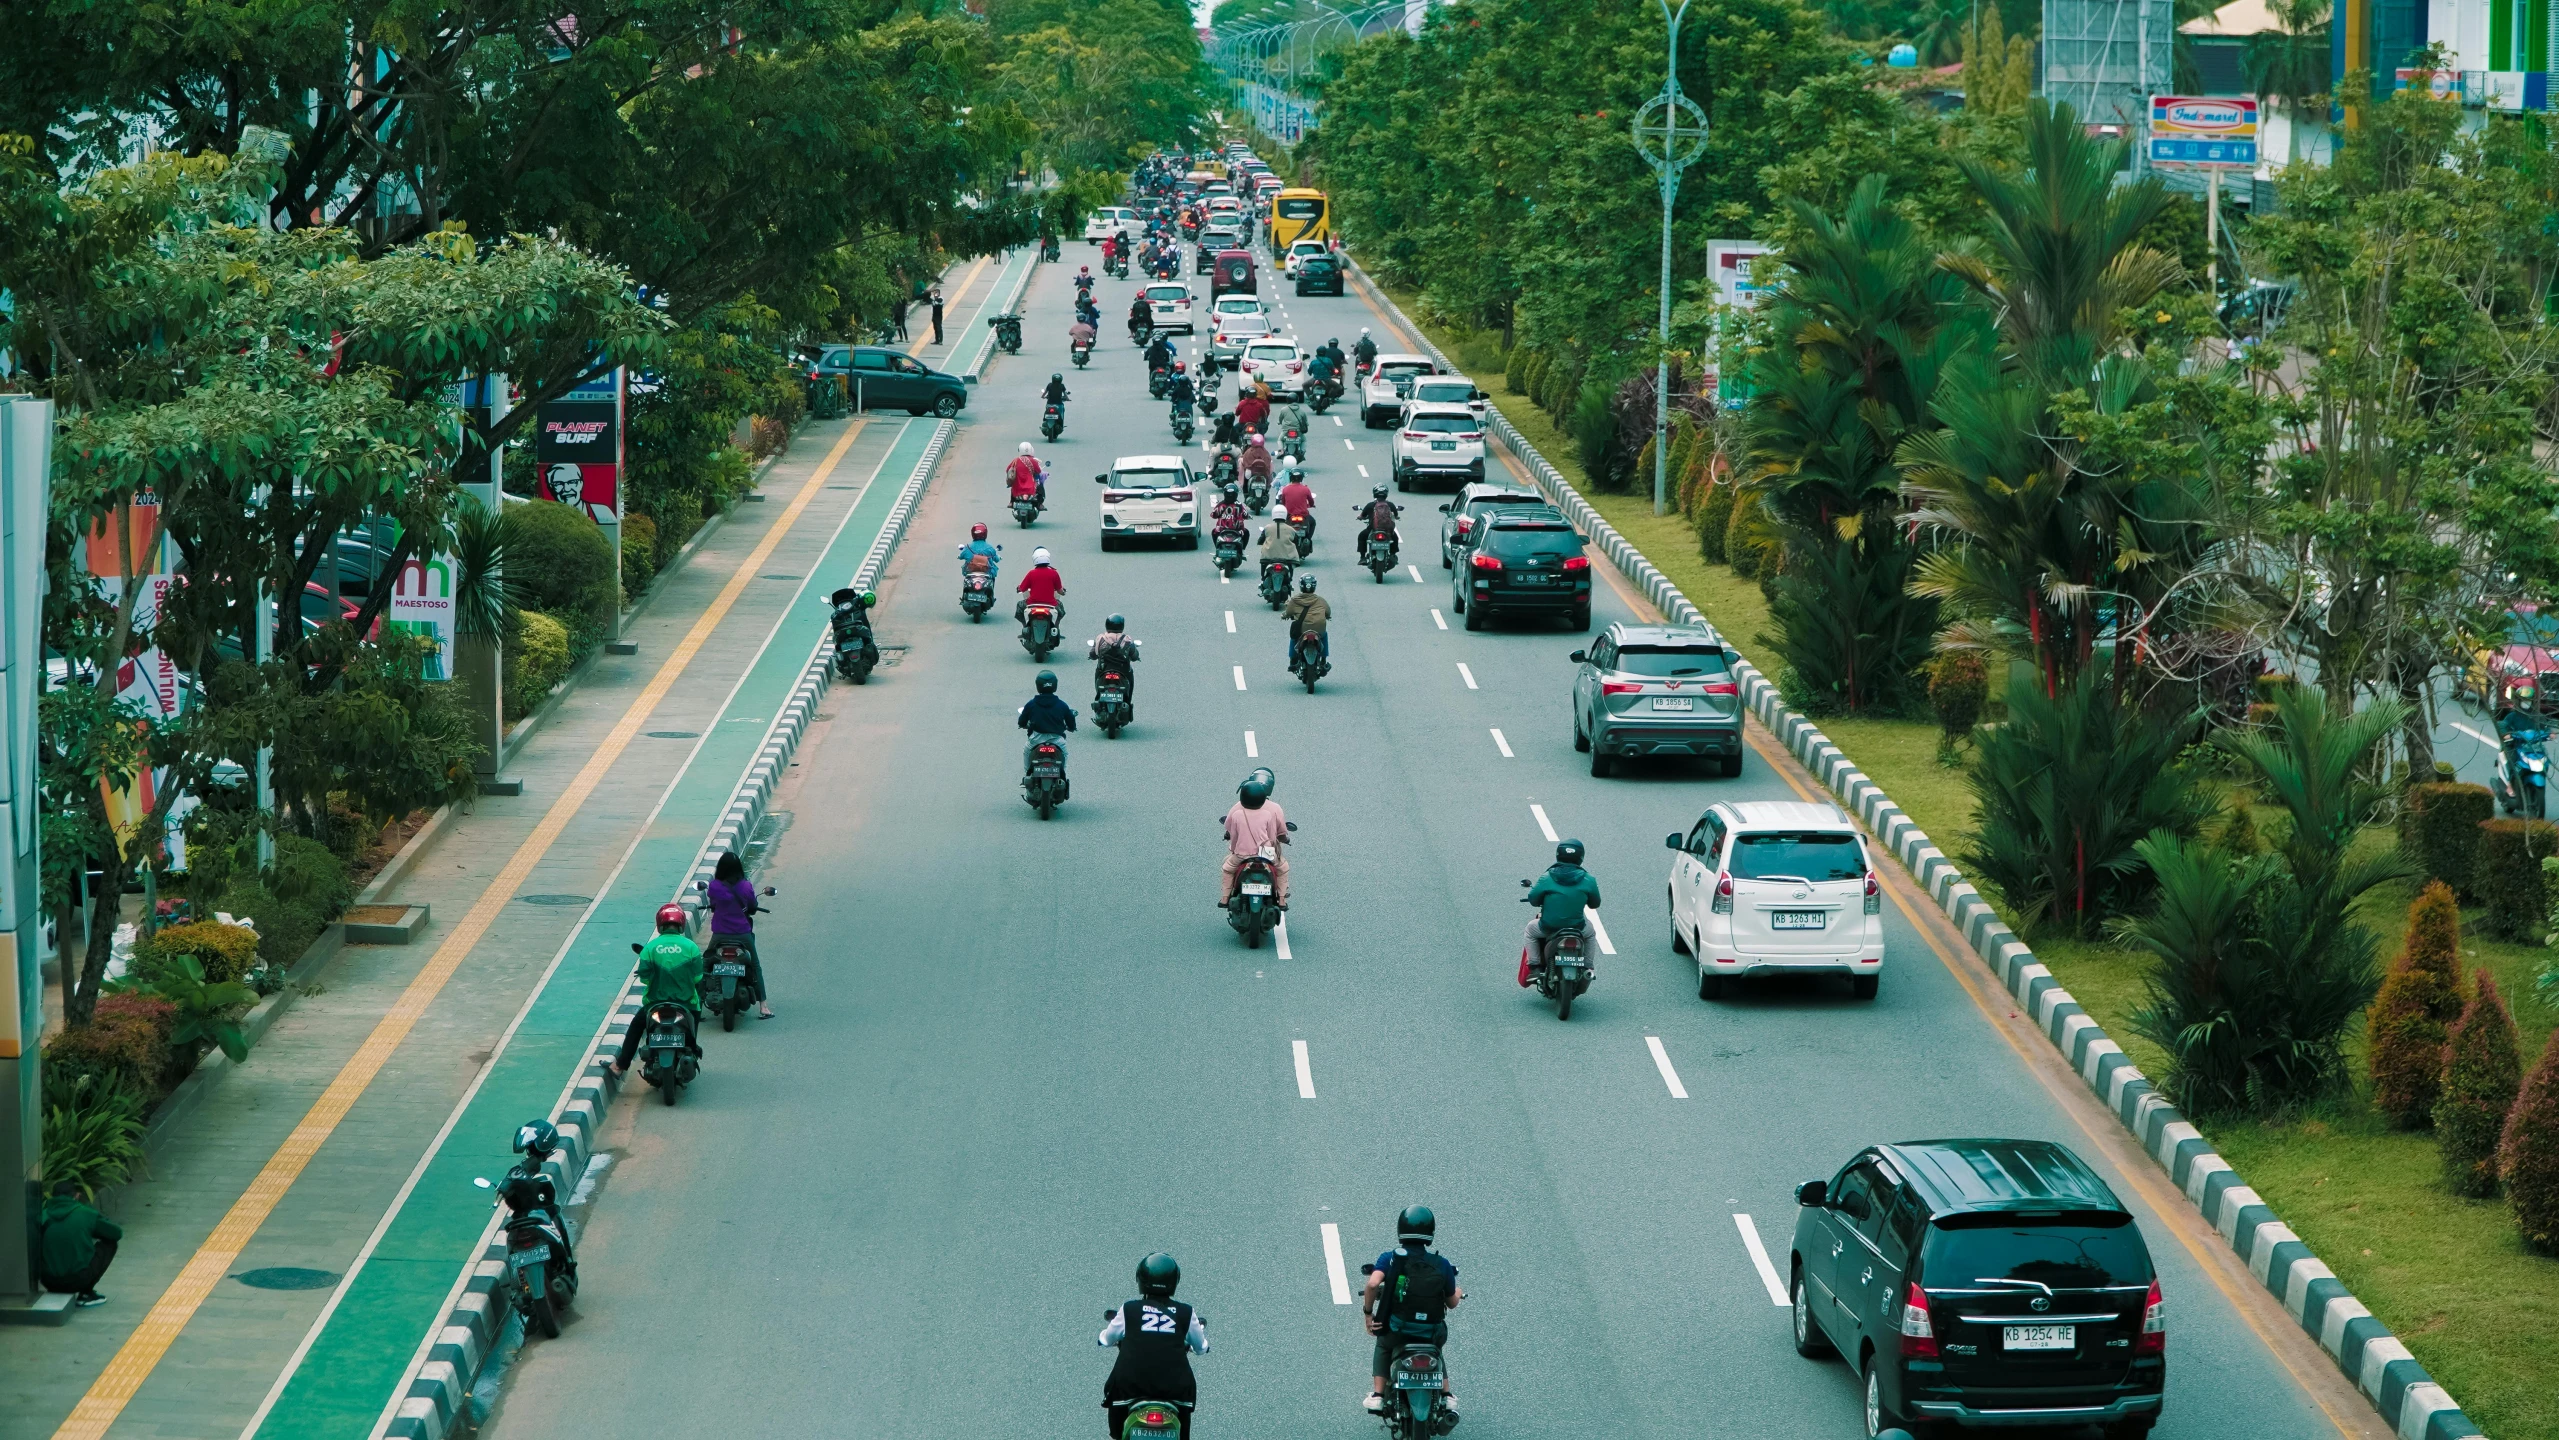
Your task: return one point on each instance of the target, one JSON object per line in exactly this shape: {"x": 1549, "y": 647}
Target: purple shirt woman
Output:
{"x": 733, "y": 909}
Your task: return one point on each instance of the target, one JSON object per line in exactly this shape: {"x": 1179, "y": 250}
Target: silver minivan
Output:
{"x": 1657, "y": 690}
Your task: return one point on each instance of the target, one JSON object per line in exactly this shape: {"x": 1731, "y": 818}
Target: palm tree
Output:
{"x": 2290, "y": 64}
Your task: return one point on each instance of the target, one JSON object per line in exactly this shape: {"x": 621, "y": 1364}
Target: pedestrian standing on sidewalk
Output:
{"x": 77, "y": 1245}
{"x": 897, "y": 315}
{"x": 937, "y": 314}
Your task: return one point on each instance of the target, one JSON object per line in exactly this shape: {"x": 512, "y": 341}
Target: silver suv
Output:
{"x": 1657, "y": 690}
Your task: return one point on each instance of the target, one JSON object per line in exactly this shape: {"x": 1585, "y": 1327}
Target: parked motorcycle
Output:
{"x": 1378, "y": 554}
{"x": 977, "y": 594}
{"x": 1308, "y": 662}
{"x": 857, "y": 653}
{"x": 1183, "y": 425}
{"x": 1112, "y": 710}
{"x": 1275, "y": 577}
{"x": 1008, "y": 332}
{"x": 1052, "y": 421}
{"x": 1253, "y": 910}
{"x": 1416, "y": 1388}
{"x": 1563, "y": 968}
{"x": 1229, "y": 544}
{"x": 539, "y": 1259}
{"x": 2522, "y": 776}
{"x": 1039, "y": 631}
{"x": 1044, "y": 778}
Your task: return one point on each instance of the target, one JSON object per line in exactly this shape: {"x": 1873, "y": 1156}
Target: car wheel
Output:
{"x": 1678, "y": 938}
{"x": 1864, "y": 986}
{"x": 1879, "y": 1418}
{"x": 1599, "y": 764}
{"x": 1191, "y": 541}
{"x": 916, "y": 410}
{"x": 2131, "y": 1429}
{"x": 1110, "y": 543}
{"x": 1581, "y": 742}
{"x": 1810, "y": 1342}
{"x": 1710, "y": 986}
{"x": 1579, "y": 619}
{"x": 1474, "y": 617}
{"x": 1732, "y": 766}
{"x": 947, "y": 406}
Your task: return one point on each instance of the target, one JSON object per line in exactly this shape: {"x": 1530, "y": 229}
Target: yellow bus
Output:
{"x": 1299, "y": 215}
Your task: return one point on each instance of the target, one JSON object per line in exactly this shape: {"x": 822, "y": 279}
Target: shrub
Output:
{"x": 1515, "y": 369}
{"x": 126, "y": 1043}
{"x": 2419, "y": 999}
{"x": 1643, "y": 471}
{"x": 1533, "y": 374}
{"x": 1958, "y": 690}
{"x": 535, "y": 662}
{"x": 1595, "y": 436}
{"x": 2238, "y": 834}
{"x": 2481, "y": 1073}
{"x": 207, "y": 1013}
{"x": 1848, "y": 626}
{"x": 1715, "y": 517}
{"x": 639, "y": 553}
{"x": 1751, "y": 542}
{"x": 286, "y": 928}
{"x": 562, "y": 562}
{"x": 2528, "y": 1154}
{"x": 2439, "y": 831}
{"x": 93, "y": 1132}
{"x": 2507, "y": 875}
{"x": 227, "y": 952}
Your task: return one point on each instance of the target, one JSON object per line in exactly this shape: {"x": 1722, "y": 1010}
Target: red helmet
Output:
{"x": 671, "y": 917}
{"x": 1177, "y": 367}
{"x": 977, "y": 532}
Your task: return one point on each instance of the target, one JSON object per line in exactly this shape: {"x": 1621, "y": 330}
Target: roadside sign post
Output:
{"x": 2211, "y": 134}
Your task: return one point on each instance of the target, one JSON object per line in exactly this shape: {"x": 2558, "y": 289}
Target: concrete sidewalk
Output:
{"x": 362, "y": 1105}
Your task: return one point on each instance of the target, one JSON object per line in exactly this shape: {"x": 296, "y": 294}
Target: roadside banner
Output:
{"x": 1728, "y": 263}
{"x": 2217, "y": 132}
{"x": 578, "y": 445}
{"x": 146, "y": 678}
{"x": 422, "y": 604}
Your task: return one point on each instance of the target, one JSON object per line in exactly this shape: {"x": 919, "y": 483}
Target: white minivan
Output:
{"x": 1768, "y": 887}
{"x": 1109, "y": 220}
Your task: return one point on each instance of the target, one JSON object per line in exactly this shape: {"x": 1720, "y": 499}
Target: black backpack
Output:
{"x": 1416, "y": 1293}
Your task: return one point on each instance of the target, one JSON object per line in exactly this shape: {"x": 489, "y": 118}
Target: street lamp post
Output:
{"x": 1670, "y": 133}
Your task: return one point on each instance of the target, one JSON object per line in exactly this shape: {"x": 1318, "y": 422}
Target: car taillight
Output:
{"x": 1720, "y": 687}
{"x": 1874, "y": 894}
{"x": 1486, "y": 562}
{"x": 1415, "y": 435}
{"x": 1724, "y": 893}
{"x": 1918, "y": 1337}
{"x": 1471, "y": 435}
{"x": 1464, "y": 524}
{"x": 2154, "y": 1325}
{"x": 1574, "y": 563}
{"x": 1619, "y": 687}
{"x": 1182, "y": 495}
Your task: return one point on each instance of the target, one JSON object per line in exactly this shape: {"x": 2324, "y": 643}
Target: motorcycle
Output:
{"x": 977, "y": 595}
{"x": 1229, "y": 543}
{"x": 1563, "y": 968}
{"x": 1253, "y": 910}
{"x": 1158, "y": 380}
{"x": 539, "y": 1260}
{"x": 1111, "y": 708}
{"x": 1304, "y": 525}
{"x": 2522, "y": 778}
{"x": 1049, "y": 249}
{"x": 1292, "y": 450}
{"x": 1153, "y": 1420}
{"x": 724, "y": 986}
{"x": 1183, "y": 425}
{"x": 666, "y": 1048}
{"x": 1044, "y": 779}
{"x": 1052, "y": 421}
{"x": 1327, "y": 390}
{"x": 1221, "y": 471}
{"x": 1083, "y": 354}
{"x": 1379, "y": 554}
{"x": 1257, "y": 493}
{"x": 1416, "y": 1388}
{"x": 1008, "y": 332}
{"x": 1308, "y": 663}
{"x": 1275, "y": 577}
{"x": 857, "y": 653}
{"x": 1208, "y": 400}
{"x": 1039, "y": 631}
{"x": 1026, "y": 510}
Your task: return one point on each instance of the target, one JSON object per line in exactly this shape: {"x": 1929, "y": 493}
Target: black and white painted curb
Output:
{"x": 2378, "y": 1362}
{"x": 436, "y": 1392}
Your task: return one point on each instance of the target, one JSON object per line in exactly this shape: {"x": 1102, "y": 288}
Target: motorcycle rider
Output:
{"x": 1159, "y": 354}
{"x": 1083, "y": 280}
{"x": 1408, "y": 1297}
{"x": 1230, "y": 513}
{"x": 1297, "y": 501}
{"x": 1115, "y": 643}
{"x": 1307, "y": 613}
{"x": 1156, "y": 1336}
{"x": 1279, "y": 540}
{"x": 979, "y": 549}
{"x": 670, "y": 969}
{"x": 1288, "y": 417}
{"x": 1227, "y": 431}
{"x": 1045, "y": 716}
{"x": 1080, "y": 335}
{"x": 1055, "y": 394}
{"x": 1560, "y": 897}
{"x": 1331, "y": 350}
{"x": 1110, "y": 248}
{"x": 1180, "y": 391}
{"x": 1255, "y": 458}
{"x": 1141, "y": 316}
{"x": 1365, "y": 350}
{"x": 1041, "y": 585}
{"x": 1026, "y": 476}
{"x": 1377, "y": 517}
{"x": 1322, "y": 370}
{"x": 1253, "y": 823}
{"x": 1253, "y": 407}
{"x": 733, "y": 909}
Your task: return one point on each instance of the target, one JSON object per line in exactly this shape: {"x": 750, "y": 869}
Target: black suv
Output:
{"x": 1319, "y": 275}
{"x": 1524, "y": 559}
{"x": 1981, "y": 1283}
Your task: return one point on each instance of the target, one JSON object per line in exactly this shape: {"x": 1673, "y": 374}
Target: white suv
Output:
{"x": 1769, "y": 887}
{"x": 1107, "y": 221}
{"x": 1149, "y": 495}
{"x": 1275, "y": 363}
{"x": 1449, "y": 390}
{"x": 1438, "y": 442}
{"x": 1168, "y": 305}
{"x": 1381, "y": 400}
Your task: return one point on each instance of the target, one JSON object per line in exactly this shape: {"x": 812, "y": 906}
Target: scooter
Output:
{"x": 1379, "y": 554}
{"x": 539, "y": 1259}
{"x": 1229, "y": 543}
{"x": 1044, "y": 779}
{"x": 1563, "y": 970}
{"x": 1308, "y": 663}
{"x": 856, "y": 652}
{"x": 1158, "y": 380}
{"x": 1083, "y": 355}
{"x": 1183, "y": 425}
{"x": 1039, "y": 631}
{"x": 666, "y": 1047}
{"x": 1221, "y": 471}
{"x": 1208, "y": 399}
{"x": 724, "y": 976}
{"x": 1257, "y": 493}
{"x": 1153, "y": 1420}
{"x": 1416, "y": 1388}
{"x": 1052, "y": 421}
{"x": 2522, "y": 777}
{"x": 1253, "y": 910}
{"x": 1292, "y": 450}
{"x": 977, "y": 594}
{"x": 1304, "y": 525}
{"x": 1008, "y": 332}
{"x": 1275, "y": 577}
{"x": 1112, "y": 710}
{"x": 1026, "y": 509}
{"x": 1326, "y": 392}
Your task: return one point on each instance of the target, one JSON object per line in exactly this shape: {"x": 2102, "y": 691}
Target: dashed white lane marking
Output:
{"x": 1545, "y": 826}
{"x": 1230, "y": 622}
{"x": 1661, "y": 1062}
{"x": 1252, "y": 747}
{"x": 1225, "y": 579}
{"x": 1239, "y": 677}
{"x": 1305, "y": 1071}
{"x": 1602, "y": 932}
{"x": 1438, "y": 619}
{"x": 1337, "y": 419}
{"x": 1465, "y": 674}
{"x": 1499, "y": 743}
{"x": 1347, "y": 445}
{"x": 1417, "y": 576}
{"x": 2487, "y": 740}
{"x": 1363, "y": 472}
{"x": 1279, "y": 938}
{"x": 1759, "y": 1258}
{"x": 1333, "y": 1267}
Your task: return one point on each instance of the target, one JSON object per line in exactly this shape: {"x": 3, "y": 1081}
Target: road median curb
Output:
{"x": 2405, "y": 1395}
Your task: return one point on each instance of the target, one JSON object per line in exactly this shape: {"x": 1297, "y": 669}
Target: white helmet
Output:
{"x": 1026, "y": 447}
{"x": 1040, "y": 556}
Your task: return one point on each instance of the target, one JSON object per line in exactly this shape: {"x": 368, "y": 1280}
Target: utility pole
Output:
{"x": 1670, "y": 133}
{"x": 26, "y": 440}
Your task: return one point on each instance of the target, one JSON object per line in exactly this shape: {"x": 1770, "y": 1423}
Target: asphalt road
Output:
{"x": 1013, "y": 1057}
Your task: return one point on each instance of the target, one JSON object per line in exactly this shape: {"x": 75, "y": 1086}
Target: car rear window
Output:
{"x": 1672, "y": 661}
{"x": 1533, "y": 537}
{"x": 1246, "y": 325}
{"x": 1444, "y": 394}
{"x": 1446, "y": 424}
{"x": 1403, "y": 371}
{"x": 1817, "y": 855}
{"x": 1167, "y": 292}
{"x": 2069, "y": 1250}
{"x": 1271, "y": 352}
{"x": 1147, "y": 479}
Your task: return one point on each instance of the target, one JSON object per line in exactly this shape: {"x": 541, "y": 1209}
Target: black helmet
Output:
{"x": 1158, "y": 1274}
{"x": 1047, "y": 681}
{"x": 1115, "y": 624}
{"x": 537, "y": 1139}
{"x": 1230, "y": 492}
{"x": 1377, "y": 492}
{"x": 1257, "y": 786}
{"x": 1332, "y": 340}
{"x": 1416, "y": 1223}
{"x": 1057, "y": 374}
{"x": 1306, "y": 583}
{"x": 1568, "y": 852}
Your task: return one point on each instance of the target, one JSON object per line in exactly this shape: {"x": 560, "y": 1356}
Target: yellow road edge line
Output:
{"x": 143, "y": 1350}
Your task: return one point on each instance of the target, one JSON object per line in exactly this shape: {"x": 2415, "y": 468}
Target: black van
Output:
{"x": 1978, "y": 1283}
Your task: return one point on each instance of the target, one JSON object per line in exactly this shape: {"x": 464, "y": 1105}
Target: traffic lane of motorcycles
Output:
{"x": 1548, "y": 1145}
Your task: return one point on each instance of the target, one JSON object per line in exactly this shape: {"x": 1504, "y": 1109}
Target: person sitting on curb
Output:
{"x": 76, "y": 1245}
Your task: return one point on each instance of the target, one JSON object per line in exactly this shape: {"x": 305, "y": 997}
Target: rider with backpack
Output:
{"x": 1408, "y": 1298}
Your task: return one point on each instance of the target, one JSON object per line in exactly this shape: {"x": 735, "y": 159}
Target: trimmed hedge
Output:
{"x": 2528, "y": 1154}
{"x": 2507, "y": 875}
{"x": 2419, "y": 1000}
{"x": 1715, "y": 518}
{"x": 310, "y": 875}
{"x": 286, "y": 928}
{"x": 2439, "y": 831}
{"x": 535, "y": 661}
{"x": 125, "y": 1042}
{"x": 1515, "y": 369}
{"x": 2481, "y": 1073}
{"x": 227, "y": 952}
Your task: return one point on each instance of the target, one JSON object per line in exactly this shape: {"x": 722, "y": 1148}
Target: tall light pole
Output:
{"x": 1670, "y": 133}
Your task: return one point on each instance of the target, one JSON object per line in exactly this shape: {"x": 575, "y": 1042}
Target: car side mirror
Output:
{"x": 635, "y": 947}
{"x": 1443, "y": 509}
{"x": 1579, "y": 656}
{"x": 1674, "y": 841}
{"x": 1732, "y": 656}
{"x": 1812, "y": 1194}
{"x": 1523, "y": 884}
{"x": 1101, "y": 479}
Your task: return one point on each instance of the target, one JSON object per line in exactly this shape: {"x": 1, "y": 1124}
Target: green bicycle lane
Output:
{"x": 366, "y": 1344}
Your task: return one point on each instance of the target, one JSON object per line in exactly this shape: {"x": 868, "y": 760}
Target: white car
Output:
{"x": 1437, "y": 442}
{"x": 1448, "y": 390}
{"x": 1766, "y": 887}
{"x": 1278, "y": 364}
{"x": 1239, "y": 305}
{"x": 1168, "y": 304}
{"x": 1382, "y": 398}
{"x": 1224, "y": 205}
{"x": 1149, "y": 495}
{"x": 1109, "y": 220}
{"x": 1226, "y": 343}
{"x": 1299, "y": 251}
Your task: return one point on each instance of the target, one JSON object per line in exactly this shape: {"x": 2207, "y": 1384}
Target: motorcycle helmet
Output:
{"x": 1332, "y": 341}
{"x": 1158, "y": 1275}
{"x": 1306, "y": 584}
{"x": 977, "y": 532}
{"x": 671, "y": 919}
{"x": 536, "y": 1138}
{"x": 1180, "y": 368}
{"x": 1416, "y": 1222}
{"x": 1252, "y": 437}
{"x": 1046, "y": 680}
{"x": 1040, "y": 556}
{"x": 1083, "y": 269}
{"x": 1377, "y": 492}
{"x": 1025, "y": 447}
{"x": 1256, "y": 787}
{"x": 1058, "y": 376}
{"x": 1116, "y": 624}
{"x": 1568, "y": 852}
